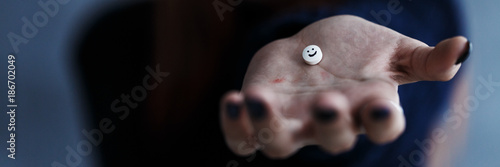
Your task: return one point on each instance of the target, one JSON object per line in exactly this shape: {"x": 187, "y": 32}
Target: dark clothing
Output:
{"x": 423, "y": 102}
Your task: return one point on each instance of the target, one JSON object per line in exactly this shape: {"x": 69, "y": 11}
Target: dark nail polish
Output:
{"x": 233, "y": 111}
{"x": 380, "y": 114}
{"x": 466, "y": 54}
{"x": 324, "y": 116}
{"x": 256, "y": 109}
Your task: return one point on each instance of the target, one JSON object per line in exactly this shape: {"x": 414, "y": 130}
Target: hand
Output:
{"x": 286, "y": 104}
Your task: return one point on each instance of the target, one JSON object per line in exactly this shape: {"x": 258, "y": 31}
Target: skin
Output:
{"x": 363, "y": 64}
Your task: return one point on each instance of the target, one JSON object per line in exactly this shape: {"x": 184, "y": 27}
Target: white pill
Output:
{"x": 312, "y": 55}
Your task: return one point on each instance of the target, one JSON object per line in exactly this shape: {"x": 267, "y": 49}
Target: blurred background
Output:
{"x": 103, "y": 83}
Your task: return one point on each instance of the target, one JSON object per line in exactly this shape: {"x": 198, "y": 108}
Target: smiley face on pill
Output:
{"x": 312, "y": 55}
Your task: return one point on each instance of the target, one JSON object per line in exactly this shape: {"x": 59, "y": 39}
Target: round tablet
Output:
{"x": 312, "y": 55}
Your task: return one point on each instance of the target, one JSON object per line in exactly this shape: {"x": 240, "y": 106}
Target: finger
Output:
{"x": 274, "y": 133}
{"x": 333, "y": 123}
{"x": 381, "y": 116}
{"x": 236, "y": 125}
{"x": 416, "y": 61}
{"x": 383, "y": 121}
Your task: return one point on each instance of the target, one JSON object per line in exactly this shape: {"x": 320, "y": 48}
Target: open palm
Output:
{"x": 286, "y": 104}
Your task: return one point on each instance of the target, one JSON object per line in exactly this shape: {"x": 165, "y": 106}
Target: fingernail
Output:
{"x": 466, "y": 54}
{"x": 233, "y": 111}
{"x": 324, "y": 116}
{"x": 256, "y": 109}
{"x": 380, "y": 114}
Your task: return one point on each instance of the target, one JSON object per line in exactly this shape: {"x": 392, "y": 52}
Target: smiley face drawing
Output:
{"x": 312, "y": 55}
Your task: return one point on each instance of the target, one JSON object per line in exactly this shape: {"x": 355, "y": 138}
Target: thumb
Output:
{"x": 439, "y": 63}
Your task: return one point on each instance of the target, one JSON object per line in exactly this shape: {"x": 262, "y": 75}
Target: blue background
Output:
{"x": 51, "y": 108}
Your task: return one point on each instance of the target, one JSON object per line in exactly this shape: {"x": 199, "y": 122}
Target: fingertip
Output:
{"x": 257, "y": 102}
{"x": 236, "y": 125}
{"x": 383, "y": 120}
{"x": 233, "y": 111}
{"x": 231, "y": 104}
{"x": 275, "y": 134}
{"x": 256, "y": 108}
{"x": 231, "y": 96}
{"x": 446, "y": 58}
{"x": 379, "y": 114}
{"x": 325, "y": 116}
{"x": 465, "y": 55}
{"x": 334, "y": 126}
{"x": 455, "y": 49}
